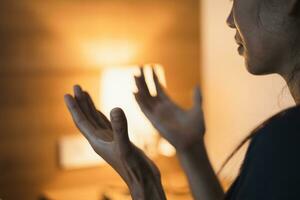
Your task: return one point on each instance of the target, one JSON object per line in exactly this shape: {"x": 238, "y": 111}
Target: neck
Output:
{"x": 293, "y": 82}
{"x": 295, "y": 91}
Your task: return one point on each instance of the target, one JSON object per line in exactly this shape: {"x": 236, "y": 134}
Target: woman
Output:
{"x": 268, "y": 35}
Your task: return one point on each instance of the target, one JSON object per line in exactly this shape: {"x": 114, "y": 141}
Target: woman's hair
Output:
{"x": 296, "y": 11}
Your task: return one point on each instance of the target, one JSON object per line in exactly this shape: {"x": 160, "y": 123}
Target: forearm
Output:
{"x": 143, "y": 178}
{"x": 147, "y": 189}
{"x": 202, "y": 179}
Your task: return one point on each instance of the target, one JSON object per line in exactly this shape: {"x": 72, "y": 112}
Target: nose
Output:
{"x": 230, "y": 20}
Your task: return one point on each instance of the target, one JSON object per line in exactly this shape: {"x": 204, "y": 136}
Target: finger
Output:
{"x": 79, "y": 118}
{"x": 141, "y": 83}
{"x": 96, "y": 113}
{"x": 197, "y": 98}
{"x": 120, "y": 130}
{"x": 84, "y": 106}
{"x": 143, "y": 104}
{"x": 144, "y": 97}
{"x": 159, "y": 89}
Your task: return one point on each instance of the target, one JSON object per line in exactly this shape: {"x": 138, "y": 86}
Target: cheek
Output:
{"x": 272, "y": 18}
{"x": 253, "y": 46}
{"x": 256, "y": 59}
{"x": 264, "y": 55}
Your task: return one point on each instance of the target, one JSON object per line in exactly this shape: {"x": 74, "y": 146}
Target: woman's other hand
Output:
{"x": 110, "y": 140}
{"x": 182, "y": 128}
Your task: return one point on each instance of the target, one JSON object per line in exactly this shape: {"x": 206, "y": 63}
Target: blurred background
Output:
{"x": 48, "y": 46}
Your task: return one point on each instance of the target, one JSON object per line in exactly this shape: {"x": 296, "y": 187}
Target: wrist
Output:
{"x": 146, "y": 186}
{"x": 142, "y": 177}
{"x": 197, "y": 148}
{"x": 194, "y": 153}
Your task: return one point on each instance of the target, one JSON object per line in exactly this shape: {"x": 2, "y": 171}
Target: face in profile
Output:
{"x": 265, "y": 33}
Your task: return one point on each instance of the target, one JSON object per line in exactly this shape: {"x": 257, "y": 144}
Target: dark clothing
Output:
{"x": 271, "y": 169}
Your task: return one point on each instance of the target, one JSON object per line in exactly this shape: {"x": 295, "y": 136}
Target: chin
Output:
{"x": 257, "y": 68}
{"x": 260, "y": 65}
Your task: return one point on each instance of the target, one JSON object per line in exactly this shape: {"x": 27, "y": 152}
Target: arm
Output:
{"x": 202, "y": 179}
{"x": 110, "y": 140}
{"x": 184, "y": 129}
{"x": 144, "y": 182}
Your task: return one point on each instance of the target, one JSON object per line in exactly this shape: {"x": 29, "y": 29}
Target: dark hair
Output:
{"x": 296, "y": 11}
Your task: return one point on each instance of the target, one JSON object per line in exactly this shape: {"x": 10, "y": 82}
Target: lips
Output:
{"x": 238, "y": 40}
{"x": 240, "y": 43}
{"x": 241, "y": 50}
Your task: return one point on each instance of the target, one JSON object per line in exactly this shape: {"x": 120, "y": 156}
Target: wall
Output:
{"x": 235, "y": 101}
{"x": 43, "y": 54}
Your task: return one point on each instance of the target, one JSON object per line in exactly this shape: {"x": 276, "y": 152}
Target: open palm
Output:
{"x": 109, "y": 139}
{"x": 180, "y": 127}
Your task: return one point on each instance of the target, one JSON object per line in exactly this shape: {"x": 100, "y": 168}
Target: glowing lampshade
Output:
{"x": 116, "y": 90}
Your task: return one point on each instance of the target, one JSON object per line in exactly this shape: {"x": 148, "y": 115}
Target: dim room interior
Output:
{"x": 48, "y": 46}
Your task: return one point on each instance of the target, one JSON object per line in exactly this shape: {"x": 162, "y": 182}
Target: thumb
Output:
{"x": 197, "y": 98}
{"x": 119, "y": 127}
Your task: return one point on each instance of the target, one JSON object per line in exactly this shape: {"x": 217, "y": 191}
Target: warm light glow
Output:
{"x": 109, "y": 52}
{"x": 164, "y": 148}
{"x": 117, "y": 86}
{"x": 76, "y": 152}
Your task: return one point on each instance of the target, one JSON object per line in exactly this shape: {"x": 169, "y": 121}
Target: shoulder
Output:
{"x": 272, "y": 166}
{"x": 281, "y": 129}
{"x": 278, "y": 140}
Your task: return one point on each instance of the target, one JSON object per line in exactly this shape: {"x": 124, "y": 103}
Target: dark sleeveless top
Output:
{"x": 271, "y": 169}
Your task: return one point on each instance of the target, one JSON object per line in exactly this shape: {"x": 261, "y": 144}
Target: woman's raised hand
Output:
{"x": 182, "y": 128}
{"x": 109, "y": 139}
